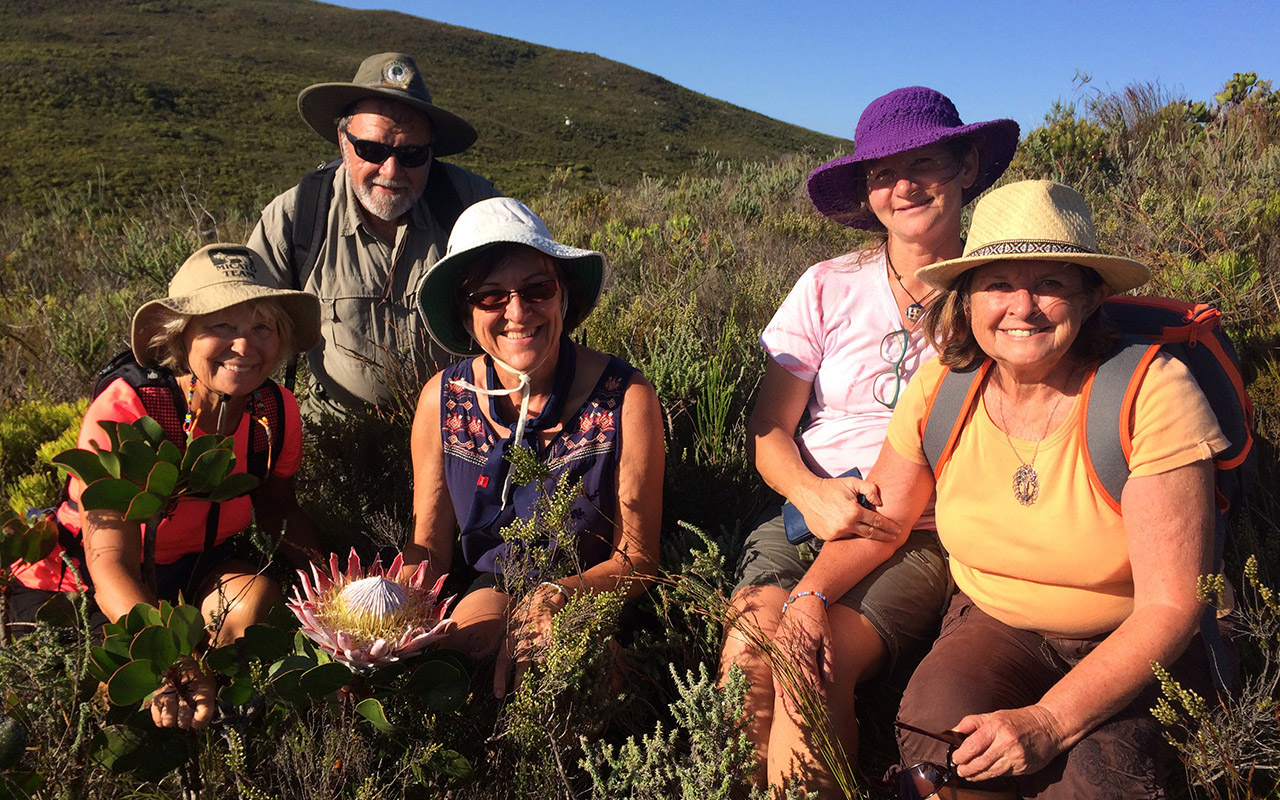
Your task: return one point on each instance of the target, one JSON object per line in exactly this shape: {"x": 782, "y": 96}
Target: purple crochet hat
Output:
{"x": 902, "y": 120}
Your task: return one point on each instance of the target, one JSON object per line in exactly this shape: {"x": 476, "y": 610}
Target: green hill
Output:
{"x": 139, "y": 95}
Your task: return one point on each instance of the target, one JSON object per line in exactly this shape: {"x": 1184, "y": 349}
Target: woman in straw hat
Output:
{"x": 207, "y": 352}
{"x": 842, "y": 347}
{"x": 506, "y": 296}
{"x": 1043, "y": 664}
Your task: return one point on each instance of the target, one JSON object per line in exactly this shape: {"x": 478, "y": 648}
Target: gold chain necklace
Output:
{"x": 916, "y": 309}
{"x": 1026, "y": 481}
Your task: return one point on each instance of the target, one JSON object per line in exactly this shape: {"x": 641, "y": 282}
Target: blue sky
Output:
{"x": 817, "y": 64}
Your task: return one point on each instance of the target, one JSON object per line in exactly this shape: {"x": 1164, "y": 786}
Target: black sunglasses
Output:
{"x": 494, "y": 299}
{"x": 414, "y": 155}
{"x": 925, "y": 779}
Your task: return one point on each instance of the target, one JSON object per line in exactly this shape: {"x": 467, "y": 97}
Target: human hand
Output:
{"x": 528, "y": 634}
{"x": 803, "y": 639}
{"x": 185, "y": 700}
{"x": 1015, "y": 741}
{"x": 835, "y": 511}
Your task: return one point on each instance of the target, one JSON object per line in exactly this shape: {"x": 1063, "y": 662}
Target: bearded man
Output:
{"x": 361, "y": 232}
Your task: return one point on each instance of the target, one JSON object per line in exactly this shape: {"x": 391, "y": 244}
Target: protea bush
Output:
{"x": 366, "y": 619}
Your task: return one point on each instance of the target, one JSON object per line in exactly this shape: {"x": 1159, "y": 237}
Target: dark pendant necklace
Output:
{"x": 916, "y": 310}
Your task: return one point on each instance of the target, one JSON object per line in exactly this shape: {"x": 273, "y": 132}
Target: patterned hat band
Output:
{"x": 1024, "y": 246}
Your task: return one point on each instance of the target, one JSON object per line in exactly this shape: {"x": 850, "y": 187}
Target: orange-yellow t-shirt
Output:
{"x": 1059, "y": 567}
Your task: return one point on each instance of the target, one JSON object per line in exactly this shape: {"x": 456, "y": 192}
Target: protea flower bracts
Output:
{"x": 367, "y": 619}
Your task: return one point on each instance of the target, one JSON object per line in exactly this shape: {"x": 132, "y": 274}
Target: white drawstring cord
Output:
{"x": 525, "y": 391}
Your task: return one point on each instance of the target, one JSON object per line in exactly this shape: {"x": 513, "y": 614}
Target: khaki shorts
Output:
{"x": 903, "y": 599}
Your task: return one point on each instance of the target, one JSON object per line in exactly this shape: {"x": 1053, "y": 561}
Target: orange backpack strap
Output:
{"x": 945, "y": 410}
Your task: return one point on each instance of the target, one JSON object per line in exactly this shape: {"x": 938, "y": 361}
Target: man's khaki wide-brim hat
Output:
{"x": 1035, "y": 221}
{"x": 219, "y": 276}
{"x": 385, "y": 76}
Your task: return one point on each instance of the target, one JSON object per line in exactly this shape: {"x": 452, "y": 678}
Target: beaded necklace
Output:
{"x": 255, "y": 411}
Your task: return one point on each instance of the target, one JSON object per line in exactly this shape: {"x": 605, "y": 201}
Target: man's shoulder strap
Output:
{"x": 442, "y": 195}
{"x": 310, "y": 212}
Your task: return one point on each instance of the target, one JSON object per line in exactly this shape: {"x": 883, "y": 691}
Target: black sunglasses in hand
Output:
{"x": 925, "y": 779}
{"x": 376, "y": 152}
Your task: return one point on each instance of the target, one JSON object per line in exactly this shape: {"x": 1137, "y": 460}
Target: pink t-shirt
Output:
{"x": 183, "y": 532}
{"x": 831, "y": 331}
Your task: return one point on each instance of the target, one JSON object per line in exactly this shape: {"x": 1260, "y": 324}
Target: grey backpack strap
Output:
{"x": 1107, "y": 411}
{"x": 951, "y": 402}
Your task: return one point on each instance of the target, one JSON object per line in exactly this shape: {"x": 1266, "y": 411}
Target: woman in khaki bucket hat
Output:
{"x": 205, "y": 354}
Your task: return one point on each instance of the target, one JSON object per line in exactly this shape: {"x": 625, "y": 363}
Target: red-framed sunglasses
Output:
{"x": 495, "y": 299}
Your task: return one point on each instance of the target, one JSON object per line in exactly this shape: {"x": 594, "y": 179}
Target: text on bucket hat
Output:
{"x": 902, "y": 120}
{"x": 501, "y": 220}
{"x": 219, "y": 276}
{"x": 386, "y": 76}
{"x": 1035, "y": 221}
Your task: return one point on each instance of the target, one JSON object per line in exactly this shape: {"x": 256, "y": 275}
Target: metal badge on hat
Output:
{"x": 397, "y": 73}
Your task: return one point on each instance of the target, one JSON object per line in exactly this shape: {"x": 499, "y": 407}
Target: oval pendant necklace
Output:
{"x": 1026, "y": 481}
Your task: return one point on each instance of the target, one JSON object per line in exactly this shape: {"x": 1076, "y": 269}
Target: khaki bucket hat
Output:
{"x": 386, "y": 76}
{"x": 1035, "y": 221}
{"x": 219, "y": 276}
{"x": 501, "y": 220}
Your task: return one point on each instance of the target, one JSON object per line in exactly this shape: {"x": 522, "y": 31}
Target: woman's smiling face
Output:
{"x": 918, "y": 194}
{"x": 522, "y": 333}
{"x": 232, "y": 351}
{"x": 1027, "y": 314}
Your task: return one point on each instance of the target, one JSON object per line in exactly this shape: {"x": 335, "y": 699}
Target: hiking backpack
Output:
{"x": 1191, "y": 333}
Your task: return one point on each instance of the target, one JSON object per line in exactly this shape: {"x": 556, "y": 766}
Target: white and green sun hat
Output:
{"x": 496, "y": 221}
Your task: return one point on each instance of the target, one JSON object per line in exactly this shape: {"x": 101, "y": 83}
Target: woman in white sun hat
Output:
{"x": 506, "y": 296}
{"x": 206, "y": 353}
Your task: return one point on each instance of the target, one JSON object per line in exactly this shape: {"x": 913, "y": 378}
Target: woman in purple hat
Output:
{"x": 842, "y": 346}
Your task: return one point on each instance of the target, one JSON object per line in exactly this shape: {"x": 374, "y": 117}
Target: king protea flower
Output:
{"x": 367, "y": 619}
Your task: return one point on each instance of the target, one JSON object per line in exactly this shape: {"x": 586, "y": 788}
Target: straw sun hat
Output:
{"x": 501, "y": 220}
{"x": 906, "y": 119}
{"x": 1035, "y": 221}
{"x": 384, "y": 76}
{"x": 219, "y": 276}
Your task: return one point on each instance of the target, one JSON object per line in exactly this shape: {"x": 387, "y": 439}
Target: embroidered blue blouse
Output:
{"x": 586, "y": 448}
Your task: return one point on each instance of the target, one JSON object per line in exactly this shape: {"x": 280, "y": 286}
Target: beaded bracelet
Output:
{"x": 798, "y": 595}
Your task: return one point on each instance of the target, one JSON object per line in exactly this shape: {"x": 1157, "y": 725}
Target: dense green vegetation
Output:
{"x": 202, "y": 94}
{"x": 704, "y": 240}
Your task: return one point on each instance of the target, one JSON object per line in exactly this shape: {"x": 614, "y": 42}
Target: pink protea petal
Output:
{"x": 419, "y": 576}
{"x": 379, "y": 648}
{"x": 397, "y": 564}
{"x": 353, "y": 565}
